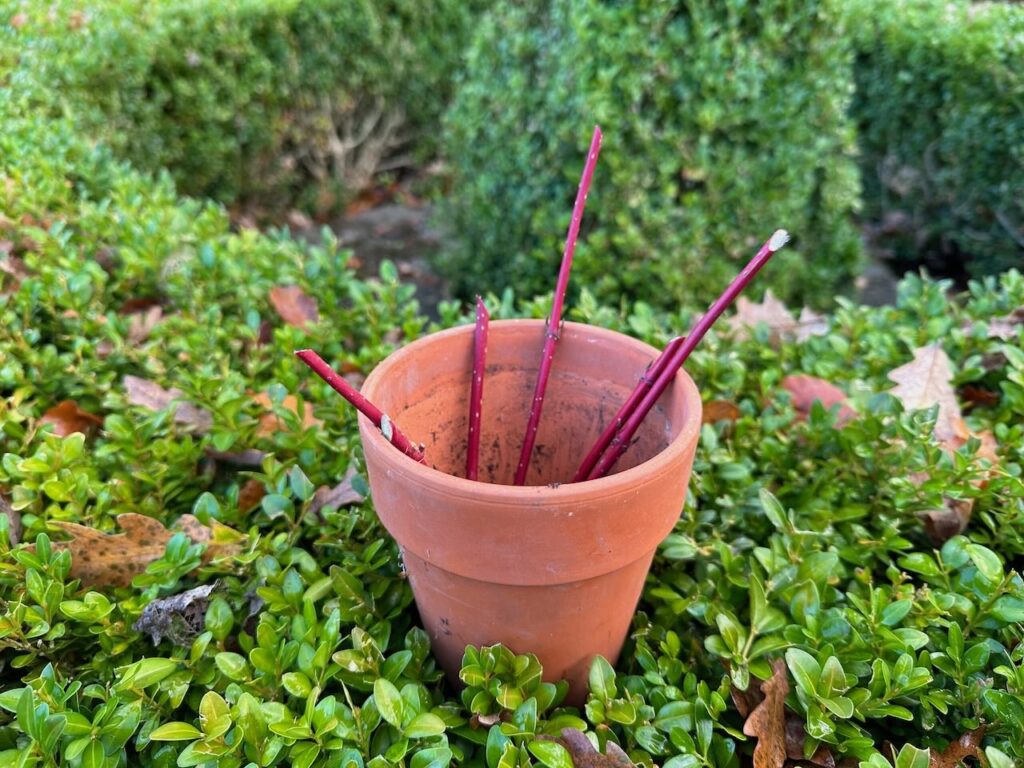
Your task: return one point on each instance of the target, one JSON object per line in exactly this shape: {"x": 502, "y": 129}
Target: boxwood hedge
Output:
{"x": 722, "y": 122}
{"x": 940, "y": 113}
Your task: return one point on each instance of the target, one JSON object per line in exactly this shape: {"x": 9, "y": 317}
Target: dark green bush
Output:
{"x": 722, "y": 121}
{"x": 260, "y": 99}
{"x": 940, "y": 110}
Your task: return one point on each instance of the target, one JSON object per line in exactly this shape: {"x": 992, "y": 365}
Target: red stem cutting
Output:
{"x": 622, "y": 439}
{"x": 555, "y": 319}
{"x": 643, "y": 386}
{"x": 476, "y": 393}
{"x": 380, "y": 419}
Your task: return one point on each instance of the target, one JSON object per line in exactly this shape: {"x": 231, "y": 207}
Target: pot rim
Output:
{"x": 500, "y": 493}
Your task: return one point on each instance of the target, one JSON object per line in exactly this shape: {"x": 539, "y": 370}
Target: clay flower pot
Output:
{"x": 547, "y": 568}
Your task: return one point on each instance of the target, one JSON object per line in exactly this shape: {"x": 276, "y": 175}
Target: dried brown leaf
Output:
{"x": 13, "y": 521}
{"x": 150, "y": 395}
{"x": 796, "y": 737}
{"x": 101, "y": 559}
{"x": 251, "y": 494}
{"x": 271, "y": 423}
{"x": 585, "y": 755}
{"x": 806, "y": 390}
{"x": 339, "y": 496}
{"x": 715, "y": 411}
{"x": 1006, "y": 327}
{"x": 180, "y": 618}
{"x": 927, "y": 381}
{"x": 968, "y": 745}
{"x": 141, "y": 324}
{"x": 768, "y": 720}
{"x": 943, "y": 524}
{"x": 67, "y": 418}
{"x": 773, "y": 313}
{"x": 294, "y": 306}
{"x": 250, "y": 457}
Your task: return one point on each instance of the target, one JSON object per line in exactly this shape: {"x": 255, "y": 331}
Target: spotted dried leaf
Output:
{"x": 150, "y": 395}
{"x": 251, "y": 494}
{"x": 141, "y": 324}
{"x": 807, "y": 390}
{"x": 114, "y": 559}
{"x": 67, "y": 418}
{"x": 294, "y": 306}
{"x": 180, "y": 618}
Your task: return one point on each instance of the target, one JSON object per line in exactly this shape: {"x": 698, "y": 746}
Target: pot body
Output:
{"x": 553, "y": 568}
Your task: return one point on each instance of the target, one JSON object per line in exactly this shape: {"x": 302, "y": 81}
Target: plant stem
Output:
{"x": 647, "y": 379}
{"x": 555, "y": 319}
{"x": 476, "y": 393}
{"x": 622, "y": 439}
{"x": 380, "y": 419}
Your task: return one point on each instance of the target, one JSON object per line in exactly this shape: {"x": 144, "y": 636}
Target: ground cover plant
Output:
{"x": 190, "y": 573}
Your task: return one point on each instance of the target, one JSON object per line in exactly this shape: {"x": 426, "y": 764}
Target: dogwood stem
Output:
{"x": 647, "y": 379}
{"x": 555, "y": 319}
{"x": 380, "y": 419}
{"x": 622, "y": 439}
{"x": 476, "y": 391}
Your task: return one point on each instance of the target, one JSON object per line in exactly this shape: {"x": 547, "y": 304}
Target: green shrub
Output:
{"x": 940, "y": 108}
{"x": 259, "y": 99}
{"x": 722, "y": 122}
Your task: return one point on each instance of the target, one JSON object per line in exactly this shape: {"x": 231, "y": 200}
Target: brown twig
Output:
{"x": 380, "y": 419}
{"x": 476, "y": 392}
{"x": 555, "y": 319}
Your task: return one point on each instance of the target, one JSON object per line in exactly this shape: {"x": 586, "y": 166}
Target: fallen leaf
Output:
{"x": 180, "y": 618}
{"x": 943, "y": 524}
{"x": 926, "y": 382}
{"x": 13, "y": 267}
{"x": 67, "y": 418}
{"x": 796, "y": 737}
{"x": 141, "y": 324}
{"x": 978, "y": 395}
{"x": 768, "y": 720}
{"x": 251, "y": 494}
{"x": 271, "y": 422}
{"x": 339, "y": 496}
{"x": 968, "y": 745}
{"x": 585, "y": 755}
{"x": 250, "y": 457}
{"x": 150, "y": 395}
{"x": 114, "y": 559}
{"x": 294, "y": 306}
{"x": 19, "y": 20}
{"x": 13, "y": 521}
{"x": 715, "y": 411}
{"x": 773, "y": 313}
{"x": 806, "y": 390}
{"x": 1005, "y": 328}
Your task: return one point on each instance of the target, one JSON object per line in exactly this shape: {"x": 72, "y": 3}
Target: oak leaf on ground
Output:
{"x": 180, "y": 618}
{"x": 294, "y": 306}
{"x": 780, "y": 321}
{"x": 339, "y": 496}
{"x": 715, "y": 411}
{"x": 767, "y": 721}
{"x": 67, "y": 418}
{"x": 150, "y": 395}
{"x": 114, "y": 559}
{"x": 270, "y": 422}
{"x": 806, "y": 390}
{"x": 585, "y": 755}
{"x": 968, "y": 745}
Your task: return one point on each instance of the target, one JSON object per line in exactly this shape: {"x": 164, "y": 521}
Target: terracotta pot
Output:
{"x": 548, "y": 568}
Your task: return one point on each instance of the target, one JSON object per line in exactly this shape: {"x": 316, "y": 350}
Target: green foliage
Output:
{"x": 939, "y": 108}
{"x": 257, "y": 99}
{"x": 722, "y": 122}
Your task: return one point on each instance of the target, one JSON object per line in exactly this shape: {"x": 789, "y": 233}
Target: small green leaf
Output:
{"x": 805, "y": 669}
{"x": 602, "y": 679}
{"x": 988, "y": 563}
{"x": 176, "y": 731}
{"x": 424, "y": 726}
{"x": 435, "y": 757}
{"x": 389, "y": 701}
{"x": 550, "y": 753}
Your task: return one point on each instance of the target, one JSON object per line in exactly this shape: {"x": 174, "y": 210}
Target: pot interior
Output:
{"x": 425, "y": 389}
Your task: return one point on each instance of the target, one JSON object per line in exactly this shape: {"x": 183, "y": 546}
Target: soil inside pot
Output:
{"x": 576, "y": 409}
